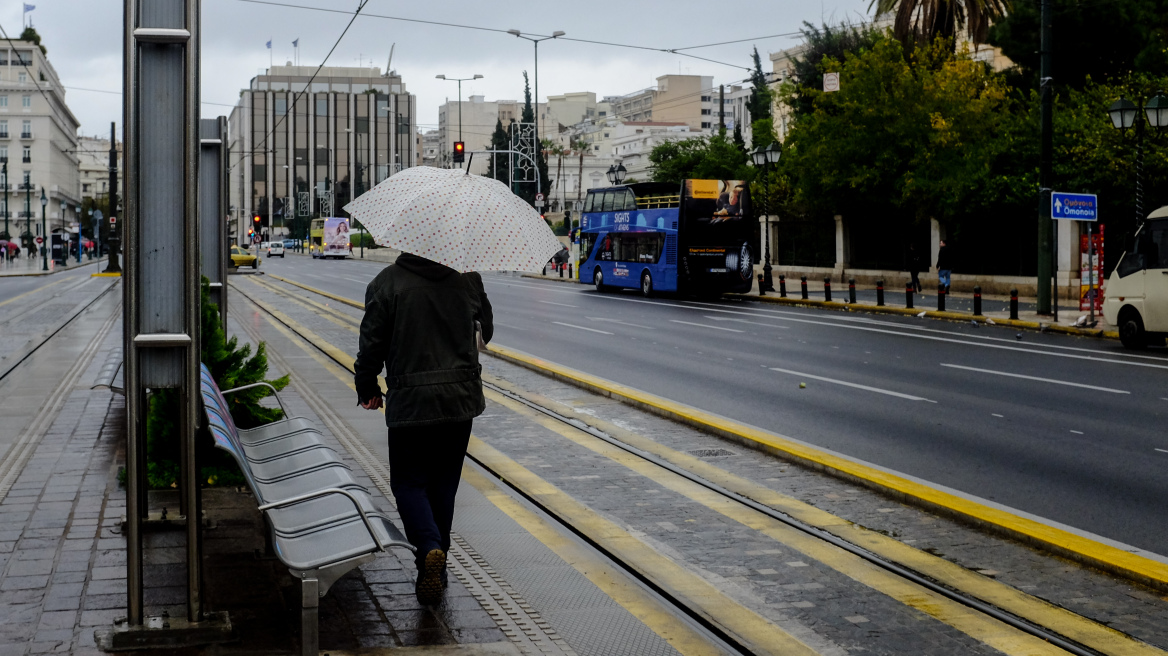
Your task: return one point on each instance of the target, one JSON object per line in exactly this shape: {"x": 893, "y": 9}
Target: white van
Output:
{"x": 1137, "y": 291}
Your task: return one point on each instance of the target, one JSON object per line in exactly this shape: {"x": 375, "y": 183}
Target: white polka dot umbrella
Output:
{"x": 467, "y": 222}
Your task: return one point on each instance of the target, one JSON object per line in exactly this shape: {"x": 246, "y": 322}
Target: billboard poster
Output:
{"x": 1091, "y": 271}
{"x": 336, "y": 235}
{"x": 721, "y": 234}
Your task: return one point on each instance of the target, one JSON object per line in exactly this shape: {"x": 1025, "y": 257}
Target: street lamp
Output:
{"x": 44, "y": 232}
{"x": 535, "y": 108}
{"x": 616, "y": 174}
{"x": 764, "y": 158}
{"x": 1124, "y": 115}
{"x": 459, "y": 80}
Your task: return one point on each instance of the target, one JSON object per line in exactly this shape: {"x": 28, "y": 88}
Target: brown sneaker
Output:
{"x": 430, "y": 585}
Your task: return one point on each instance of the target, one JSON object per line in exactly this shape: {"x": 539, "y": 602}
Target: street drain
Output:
{"x": 711, "y": 453}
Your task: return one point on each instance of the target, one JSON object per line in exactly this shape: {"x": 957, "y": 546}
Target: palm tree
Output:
{"x": 580, "y": 147}
{"x": 924, "y": 20}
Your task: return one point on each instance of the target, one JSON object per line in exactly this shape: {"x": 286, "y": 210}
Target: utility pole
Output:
{"x": 114, "y": 241}
{"x": 1045, "y": 223}
{"x": 721, "y": 108}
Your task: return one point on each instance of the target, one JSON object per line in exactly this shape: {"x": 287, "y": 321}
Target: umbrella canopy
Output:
{"x": 467, "y": 222}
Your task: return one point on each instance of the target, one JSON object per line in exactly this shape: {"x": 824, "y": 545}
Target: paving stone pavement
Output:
{"x": 1125, "y": 606}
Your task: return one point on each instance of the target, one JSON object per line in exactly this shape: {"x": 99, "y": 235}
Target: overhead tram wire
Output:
{"x": 118, "y": 93}
{"x": 307, "y": 85}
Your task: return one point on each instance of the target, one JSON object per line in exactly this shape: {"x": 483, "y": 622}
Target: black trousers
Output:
{"x": 916, "y": 281}
{"x": 425, "y": 466}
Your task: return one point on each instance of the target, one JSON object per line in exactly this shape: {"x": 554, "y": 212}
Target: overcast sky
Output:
{"x": 84, "y": 40}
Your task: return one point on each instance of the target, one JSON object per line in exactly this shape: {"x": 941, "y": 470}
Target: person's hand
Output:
{"x": 372, "y": 404}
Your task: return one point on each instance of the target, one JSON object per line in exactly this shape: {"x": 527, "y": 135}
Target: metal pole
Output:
{"x": 460, "y": 110}
{"x": 721, "y": 107}
{"x": 192, "y": 498}
{"x": 766, "y": 269}
{"x": 114, "y": 265}
{"x": 1091, "y": 271}
{"x": 4, "y": 175}
{"x": 79, "y": 234}
{"x": 44, "y": 234}
{"x": 1045, "y": 227}
{"x": 535, "y": 114}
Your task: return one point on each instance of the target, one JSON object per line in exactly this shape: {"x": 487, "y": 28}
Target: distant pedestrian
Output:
{"x": 914, "y": 267}
{"x": 420, "y": 326}
{"x": 944, "y": 266}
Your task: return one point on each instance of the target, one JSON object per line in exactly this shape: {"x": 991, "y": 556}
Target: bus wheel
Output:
{"x": 1131, "y": 330}
{"x": 598, "y": 280}
{"x": 646, "y": 284}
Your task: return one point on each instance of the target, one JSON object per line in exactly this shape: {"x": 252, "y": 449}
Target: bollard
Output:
{"x": 851, "y": 290}
{"x": 940, "y": 298}
{"x": 544, "y": 269}
{"x": 977, "y": 300}
{"x": 803, "y": 282}
{"x": 827, "y": 288}
{"x": 879, "y": 293}
{"x": 569, "y": 269}
{"x": 1014, "y": 304}
{"x": 761, "y": 291}
{"x": 908, "y": 295}
{"x": 561, "y": 268}
{"x": 782, "y": 286}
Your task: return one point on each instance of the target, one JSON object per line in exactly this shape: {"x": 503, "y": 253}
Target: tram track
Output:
{"x": 1053, "y": 625}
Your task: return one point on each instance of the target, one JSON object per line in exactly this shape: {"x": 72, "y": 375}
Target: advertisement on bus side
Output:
{"x": 336, "y": 237}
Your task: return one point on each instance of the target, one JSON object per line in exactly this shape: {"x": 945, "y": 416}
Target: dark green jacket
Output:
{"x": 419, "y": 326}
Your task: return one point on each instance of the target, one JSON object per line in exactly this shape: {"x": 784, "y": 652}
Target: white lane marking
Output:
{"x": 706, "y": 325}
{"x": 1077, "y": 432}
{"x": 1036, "y": 378}
{"x": 878, "y": 390}
{"x": 507, "y": 325}
{"x": 753, "y": 323}
{"x": 998, "y": 415}
{"x": 591, "y": 330}
{"x": 559, "y": 304}
{"x": 623, "y": 323}
{"x": 363, "y": 282}
{"x": 1162, "y": 450}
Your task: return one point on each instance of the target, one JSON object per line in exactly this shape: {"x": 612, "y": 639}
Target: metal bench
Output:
{"x": 323, "y": 523}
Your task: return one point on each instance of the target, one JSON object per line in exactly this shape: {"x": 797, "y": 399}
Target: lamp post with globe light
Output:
{"x": 44, "y": 232}
{"x": 616, "y": 174}
{"x": 765, "y": 157}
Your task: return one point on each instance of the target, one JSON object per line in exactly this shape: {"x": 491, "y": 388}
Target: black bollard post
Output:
{"x": 827, "y": 288}
{"x": 940, "y": 298}
{"x": 782, "y": 286}
{"x": 851, "y": 290}
{"x": 569, "y": 269}
{"x": 544, "y": 273}
{"x": 1014, "y": 304}
{"x": 803, "y": 282}
{"x": 977, "y": 300}
{"x": 908, "y": 295}
{"x": 761, "y": 286}
{"x": 561, "y": 268}
{"x": 879, "y": 293}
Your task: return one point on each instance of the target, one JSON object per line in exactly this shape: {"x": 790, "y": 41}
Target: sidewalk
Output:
{"x": 27, "y": 266}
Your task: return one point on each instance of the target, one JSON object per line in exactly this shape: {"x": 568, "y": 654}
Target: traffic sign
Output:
{"x": 539, "y": 197}
{"x": 98, "y": 215}
{"x": 831, "y": 82}
{"x": 113, "y": 220}
{"x": 40, "y": 240}
{"x": 539, "y": 203}
{"x": 1074, "y": 207}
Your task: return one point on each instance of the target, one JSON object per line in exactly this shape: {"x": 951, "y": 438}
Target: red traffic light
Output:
{"x": 256, "y": 218}
{"x": 459, "y": 152}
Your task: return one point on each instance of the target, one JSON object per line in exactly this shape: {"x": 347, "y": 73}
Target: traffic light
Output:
{"x": 459, "y": 152}
{"x": 256, "y": 219}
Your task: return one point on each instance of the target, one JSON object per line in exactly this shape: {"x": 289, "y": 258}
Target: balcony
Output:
{"x": 4, "y": 134}
{"x": 26, "y": 135}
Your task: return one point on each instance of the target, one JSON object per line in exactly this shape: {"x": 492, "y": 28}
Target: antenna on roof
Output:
{"x": 389, "y": 64}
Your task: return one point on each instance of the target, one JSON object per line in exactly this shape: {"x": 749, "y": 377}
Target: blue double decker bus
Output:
{"x": 699, "y": 237}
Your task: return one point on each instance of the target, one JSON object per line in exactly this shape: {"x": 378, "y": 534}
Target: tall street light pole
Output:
{"x": 459, "y": 80}
{"x": 44, "y": 232}
{"x": 114, "y": 241}
{"x": 535, "y": 107}
{"x": 1046, "y": 145}
{"x": 4, "y": 183}
{"x": 765, "y": 158}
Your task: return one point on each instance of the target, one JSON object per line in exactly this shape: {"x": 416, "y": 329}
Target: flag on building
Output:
{"x": 269, "y": 44}
{"x": 296, "y": 43}
{"x": 28, "y": 7}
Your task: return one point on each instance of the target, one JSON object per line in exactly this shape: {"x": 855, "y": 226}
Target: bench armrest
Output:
{"x": 260, "y": 384}
{"x": 324, "y": 493}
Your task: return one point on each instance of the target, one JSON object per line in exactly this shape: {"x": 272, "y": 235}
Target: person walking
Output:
{"x": 914, "y": 267}
{"x": 420, "y": 325}
{"x": 944, "y": 266}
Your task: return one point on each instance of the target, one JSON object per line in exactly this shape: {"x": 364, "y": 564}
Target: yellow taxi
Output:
{"x": 241, "y": 257}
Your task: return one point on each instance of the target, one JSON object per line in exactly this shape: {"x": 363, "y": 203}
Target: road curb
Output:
{"x": 1079, "y": 548}
{"x": 877, "y": 309}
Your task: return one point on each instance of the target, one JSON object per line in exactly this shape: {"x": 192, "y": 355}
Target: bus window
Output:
{"x": 587, "y": 239}
{"x": 588, "y": 203}
{"x": 605, "y": 250}
{"x": 625, "y": 202}
{"x": 609, "y": 197}
{"x": 642, "y": 247}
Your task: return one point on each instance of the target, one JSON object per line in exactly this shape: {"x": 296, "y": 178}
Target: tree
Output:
{"x": 759, "y": 103}
{"x": 30, "y": 34}
{"x": 834, "y": 42}
{"x": 581, "y": 147}
{"x": 922, "y": 21}
{"x": 713, "y": 158}
{"x": 499, "y": 141}
{"x": 1110, "y": 40}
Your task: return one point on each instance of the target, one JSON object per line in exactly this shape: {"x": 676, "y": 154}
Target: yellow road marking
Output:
{"x": 749, "y": 628}
{"x": 1061, "y": 542}
{"x": 1094, "y": 635}
{"x": 339, "y": 299}
{"x": 338, "y": 318}
{"x": 612, "y": 582}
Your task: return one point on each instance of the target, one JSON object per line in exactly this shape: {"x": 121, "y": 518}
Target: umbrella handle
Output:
{"x": 469, "y": 161}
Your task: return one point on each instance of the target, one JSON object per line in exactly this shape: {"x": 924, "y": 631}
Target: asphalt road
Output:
{"x": 1070, "y": 429}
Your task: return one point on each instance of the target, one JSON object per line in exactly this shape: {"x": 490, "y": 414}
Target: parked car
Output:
{"x": 274, "y": 248}
{"x": 289, "y": 244}
{"x": 241, "y": 257}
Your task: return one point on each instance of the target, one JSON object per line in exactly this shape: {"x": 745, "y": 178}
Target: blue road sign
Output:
{"x": 1074, "y": 207}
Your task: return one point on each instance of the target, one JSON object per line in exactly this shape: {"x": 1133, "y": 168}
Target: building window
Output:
{"x": 705, "y": 124}
{"x": 27, "y": 178}
{"x": 707, "y": 98}
{"x": 3, "y": 129}
{"x": 22, "y": 77}
{"x": 4, "y": 100}
{"x": 26, "y": 154}
{"x": 322, "y": 107}
{"x": 705, "y": 112}
{"x": 26, "y": 100}
{"x": 3, "y": 153}
{"x": 26, "y": 129}
{"x": 281, "y": 106}
{"x": 85, "y": 189}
